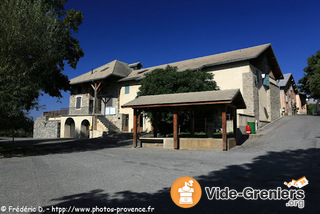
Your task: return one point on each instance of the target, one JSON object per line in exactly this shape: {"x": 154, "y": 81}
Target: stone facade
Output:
{"x": 250, "y": 94}
{"x": 275, "y": 102}
{"x": 85, "y": 104}
{"x": 289, "y": 95}
{"x": 45, "y": 128}
{"x": 247, "y": 74}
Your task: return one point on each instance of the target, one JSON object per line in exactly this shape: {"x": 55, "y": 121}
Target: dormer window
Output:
{"x": 135, "y": 66}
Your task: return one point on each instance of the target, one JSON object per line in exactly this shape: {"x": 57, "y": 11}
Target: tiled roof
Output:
{"x": 232, "y": 95}
{"x": 115, "y": 68}
{"x": 201, "y": 62}
{"x": 285, "y": 80}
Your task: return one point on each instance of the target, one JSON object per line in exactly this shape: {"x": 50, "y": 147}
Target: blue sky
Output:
{"x": 157, "y": 32}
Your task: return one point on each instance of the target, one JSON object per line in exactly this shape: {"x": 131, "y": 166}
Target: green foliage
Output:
{"x": 170, "y": 81}
{"x": 310, "y": 82}
{"x": 35, "y": 43}
{"x": 21, "y": 126}
{"x": 312, "y": 109}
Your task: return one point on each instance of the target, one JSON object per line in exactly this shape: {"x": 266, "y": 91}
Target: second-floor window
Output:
{"x": 78, "y": 102}
{"x": 110, "y": 109}
{"x": 127, "y": 89}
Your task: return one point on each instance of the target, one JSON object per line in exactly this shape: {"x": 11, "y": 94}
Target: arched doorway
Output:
{"x": 69, "y": 128}
{"x": 84, "y": 132}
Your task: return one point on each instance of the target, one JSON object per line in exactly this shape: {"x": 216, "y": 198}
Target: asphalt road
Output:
{"x": 110, "y": 173}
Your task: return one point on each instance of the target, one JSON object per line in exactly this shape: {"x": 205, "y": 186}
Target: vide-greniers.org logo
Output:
{"x": 295, "y": 196}
{"x": 186, "y": 193}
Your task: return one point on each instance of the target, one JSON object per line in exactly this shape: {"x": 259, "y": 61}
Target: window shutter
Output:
{"x": 78, "y": 102}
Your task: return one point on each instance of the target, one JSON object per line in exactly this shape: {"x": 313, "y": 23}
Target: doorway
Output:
{"x": 84, "y": 132}
{"x": 125, "y": 122}
{"x": 69, "y": 129}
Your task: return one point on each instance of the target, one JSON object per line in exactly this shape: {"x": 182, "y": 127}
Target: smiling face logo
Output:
{"x": 185, "y": 192}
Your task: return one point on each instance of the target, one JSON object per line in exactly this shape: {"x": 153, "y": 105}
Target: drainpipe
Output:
{"x": 256, "y": 124}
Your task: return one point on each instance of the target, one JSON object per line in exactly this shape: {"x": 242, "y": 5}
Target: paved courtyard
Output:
{"x": 110, "y": 173}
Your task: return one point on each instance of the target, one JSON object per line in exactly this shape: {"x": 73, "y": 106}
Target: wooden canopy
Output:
{"x": 222, "y": 100}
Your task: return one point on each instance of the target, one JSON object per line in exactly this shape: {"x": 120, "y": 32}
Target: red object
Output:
{"x": 248, "y": 129}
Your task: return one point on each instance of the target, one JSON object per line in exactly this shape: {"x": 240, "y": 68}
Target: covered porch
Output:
{"x": 223, "y": 101}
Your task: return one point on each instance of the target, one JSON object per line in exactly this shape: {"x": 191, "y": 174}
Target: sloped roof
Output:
{"x": 206, "y": 61}
{"x": 116, "y": 68}
{"x": 285, "y": 81}
{"x": 232, "y": 96}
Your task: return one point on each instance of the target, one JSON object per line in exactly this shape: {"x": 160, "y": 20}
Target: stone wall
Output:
{"x": 85, "y": 100}
{"x": 275, "y": 101}
{"x": 205, "y": 143}
{"x": 251, "y": 98}
{"x": 44, "y": 128}
{"x": 189, "y": 143}
{"x": 250, "y": 94}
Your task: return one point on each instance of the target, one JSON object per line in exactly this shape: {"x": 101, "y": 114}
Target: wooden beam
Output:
{"x": 175, "y": 130}
{"x": 224, "y": 129}
{"x": 178, "y": 104}
{"x": 135, "y": 128}
{"x": 98, "y": 87}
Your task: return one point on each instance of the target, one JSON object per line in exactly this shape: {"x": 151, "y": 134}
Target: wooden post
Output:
{"x": 192, "y": 122}
{"x": 95, "y": 99}
{"x": 235, "y": 123}
{"x": 175, "y": 130}
{"x": 135, "y": 128}
{"x": 224, "y": 129}
{"x": 95, "y": 88}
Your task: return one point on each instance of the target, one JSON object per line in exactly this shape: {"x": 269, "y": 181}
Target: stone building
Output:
{"x": 292, "y": 102}
{"x": 255, "y": 71}
{"x": 97, "y": 96}
{"x": 49, "y": 125}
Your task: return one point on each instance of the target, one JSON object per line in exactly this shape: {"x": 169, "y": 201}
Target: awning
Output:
{"x": 232, "y": 97}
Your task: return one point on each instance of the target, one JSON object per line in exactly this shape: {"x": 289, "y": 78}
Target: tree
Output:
{"x": 35, "y": 43}
{"x": 170, "y": 81}
{"x": 310, "y": 82}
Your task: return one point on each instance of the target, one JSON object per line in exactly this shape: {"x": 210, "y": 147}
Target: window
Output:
{"x": 78, "y": 102}
{"x": 127, "y": 89}
{"x": 110, "y": 111}
{"x": 109, "y": 108}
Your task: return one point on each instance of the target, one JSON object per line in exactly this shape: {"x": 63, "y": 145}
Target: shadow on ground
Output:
{"x": 265, "y": 172}
{"x": 34, "y": 147}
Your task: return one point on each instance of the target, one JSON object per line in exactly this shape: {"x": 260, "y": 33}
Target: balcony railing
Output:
{"x": 88, "y": 110}
{"x": 59, "y": 113}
